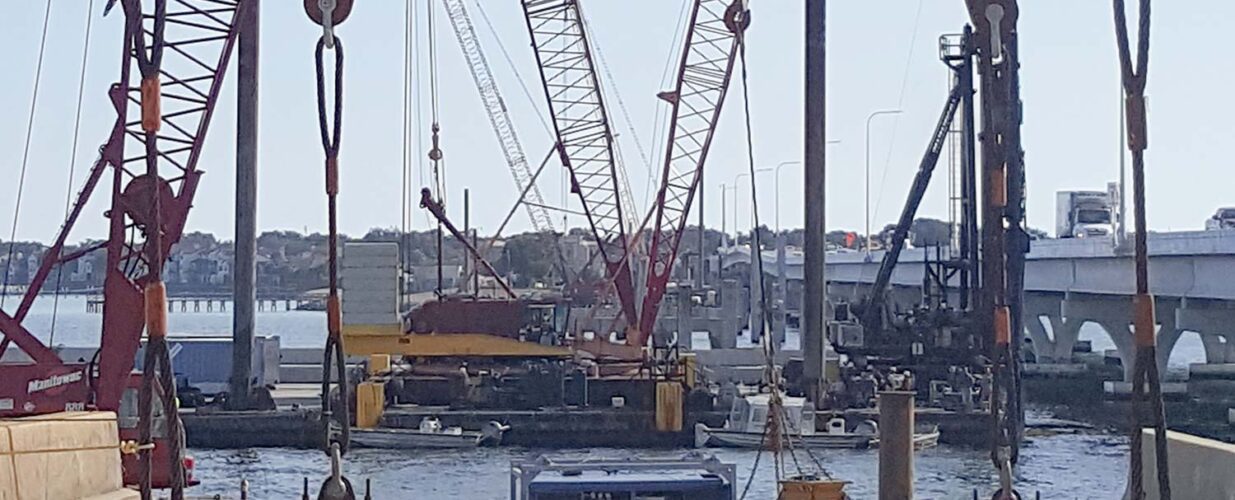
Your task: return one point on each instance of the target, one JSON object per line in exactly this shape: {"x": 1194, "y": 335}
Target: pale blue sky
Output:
{"x": 1069, "y": 86}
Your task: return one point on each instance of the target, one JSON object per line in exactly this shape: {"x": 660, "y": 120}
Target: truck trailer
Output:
{"x": 1083, "y": 214}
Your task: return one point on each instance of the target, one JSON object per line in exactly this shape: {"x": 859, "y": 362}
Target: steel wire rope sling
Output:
{"x": 1144, "y": 366}
{"x": 1002, "y": 182}
{"x": 336, "y": 422}
{"x": 158, "y": 379}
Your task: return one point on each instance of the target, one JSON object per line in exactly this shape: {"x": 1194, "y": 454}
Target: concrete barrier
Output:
{"x": 1200, "y": 468}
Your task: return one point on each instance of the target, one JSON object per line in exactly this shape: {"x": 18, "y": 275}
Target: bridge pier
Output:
{"x": 1114, "y": 315}
{"x": 1215, "y": 322}
{"x": 1217, "y": 349}
{"x": 1056, "y": 345}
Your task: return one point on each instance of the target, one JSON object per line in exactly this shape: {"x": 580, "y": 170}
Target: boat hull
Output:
{"x": 708, "y": 437}
{"x": 398, "y": 439}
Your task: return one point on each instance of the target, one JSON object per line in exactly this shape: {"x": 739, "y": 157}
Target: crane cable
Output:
{"x": 737, "y": 18}
{"x": 405, "y": 214}
{"x": 335, "y": 416}
{"x": 435, "y": 153}
{"x": 158, "y": 379}
{"x": 544, "y": 122}
{"x": 337, "y": 426}
{"x": 68, "y": 195}
{"x": 1145, "y": 365}
{"x": 25, "y": 155}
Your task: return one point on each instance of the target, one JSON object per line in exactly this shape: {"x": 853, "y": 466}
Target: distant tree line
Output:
{"x": 290, "y": 261}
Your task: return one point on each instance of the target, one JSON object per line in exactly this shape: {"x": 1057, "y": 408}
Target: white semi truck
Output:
{"x": 1083, "y": 214}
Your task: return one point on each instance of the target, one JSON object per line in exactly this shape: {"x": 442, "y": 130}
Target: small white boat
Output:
{"x": 431, "y": 434}
{"x": 748, "y": 417}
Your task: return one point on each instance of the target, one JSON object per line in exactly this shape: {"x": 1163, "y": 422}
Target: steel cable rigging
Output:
{"x": 335, "y": 415}
{"x": 68, "y": 195}
{"x": 778, "y": 426}
{"x": 1144, "y": 366}
{"x": 25, "y": 155}
{"x": 158, "y": 379}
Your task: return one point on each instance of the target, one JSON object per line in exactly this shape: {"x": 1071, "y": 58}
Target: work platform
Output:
{"x": 567, "y": 427}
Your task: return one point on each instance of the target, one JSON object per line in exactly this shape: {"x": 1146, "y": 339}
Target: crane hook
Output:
{"x": 328, "y": 13}
{"x": 336, "y": 487}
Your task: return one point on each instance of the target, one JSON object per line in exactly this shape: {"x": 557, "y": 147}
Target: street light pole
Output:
{"x": 755, "y": 317}
{"x": 736, "y": 187}
{"x": 724, "y": 207}
{"x": 868, "y": 169}
{"x": 777, "y": 184}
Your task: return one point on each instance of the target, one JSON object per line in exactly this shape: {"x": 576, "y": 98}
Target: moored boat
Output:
{"x": 748, "y": 416}
{"x": 431, "y": 434}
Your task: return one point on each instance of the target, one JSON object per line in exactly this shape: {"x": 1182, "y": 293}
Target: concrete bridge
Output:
{"x": 1071, "y": 282}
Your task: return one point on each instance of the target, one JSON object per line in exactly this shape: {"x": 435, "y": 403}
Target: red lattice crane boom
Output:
{"x": 704, "y": 72}
{"x": 584, "y": 140}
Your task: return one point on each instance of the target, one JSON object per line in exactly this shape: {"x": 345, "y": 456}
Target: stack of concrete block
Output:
{"x": 62, "y": 455}
{"x": 370, "y": 280}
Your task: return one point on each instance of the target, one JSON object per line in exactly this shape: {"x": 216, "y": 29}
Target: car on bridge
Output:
{"x": 1223, "y": 218}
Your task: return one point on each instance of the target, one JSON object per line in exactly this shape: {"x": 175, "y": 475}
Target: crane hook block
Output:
{"x": 339, "y": 13}
{"x": 737, "y": 16}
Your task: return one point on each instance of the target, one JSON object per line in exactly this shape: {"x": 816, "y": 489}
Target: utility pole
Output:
{"x": 814, "y": 302}
{"x": 244, "y": 269}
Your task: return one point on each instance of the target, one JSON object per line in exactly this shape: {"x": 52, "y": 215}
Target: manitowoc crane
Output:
{"x": 585, "y": 141}
{"x": 152, "y": 151}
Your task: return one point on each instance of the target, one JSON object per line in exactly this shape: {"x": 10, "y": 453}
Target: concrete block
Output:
{"x": 301, "y": 374}
{"x": 59, "y": 455}
{"x": 358, "y": 296}
{"x": 353, "y": 260}
{"x": 1119, "y": 388}
{"x": 1048, "y": 370}
{"x": 1212, "y": 389}
{"x": 371, "y": 319}
{"x": 1200, "y": 468}
{"x": 741, "y": 357}
{"x": 305, "y": 395}
{"x": 369, "y": 289}
{"x": 749, "y": 375}
{"x": 359, "y": 249}
{"x": 383, "y": 274}
{"x": 1221, "y": 371}
{"x": 370, "y": 307}
{"x": 308, "y": 356}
